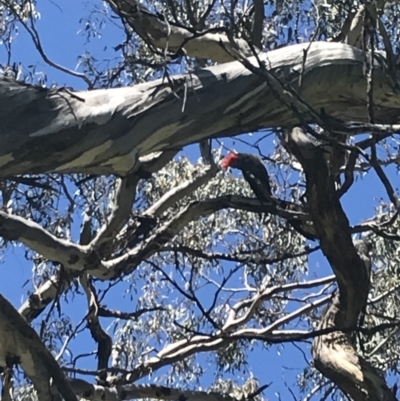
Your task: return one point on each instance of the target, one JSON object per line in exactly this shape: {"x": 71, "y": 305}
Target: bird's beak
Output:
{"x": 222, "y": 165}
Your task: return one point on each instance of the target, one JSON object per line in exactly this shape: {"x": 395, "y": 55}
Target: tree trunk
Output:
{"x": 334, "y": 354}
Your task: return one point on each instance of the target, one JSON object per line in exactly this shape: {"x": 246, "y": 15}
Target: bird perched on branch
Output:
{"x": 254, "y": 172}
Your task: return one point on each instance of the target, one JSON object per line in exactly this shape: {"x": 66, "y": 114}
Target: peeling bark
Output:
{"x": 105, "y": 131}
{"x": 336, "y": 358}
{"x": 334, "y": 354}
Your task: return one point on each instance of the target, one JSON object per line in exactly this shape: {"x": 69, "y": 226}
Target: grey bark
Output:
{"x": 334, "y": 354}
{"x": 128, "y": 392}
{"x": 170, "y": 37}
{"x": 108, "y": 131}
{"x": 21, "y": 344}
{"x": 105, "y": 131}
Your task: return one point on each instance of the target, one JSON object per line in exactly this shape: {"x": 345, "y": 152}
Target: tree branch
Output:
{"x": 21, "y": 343}
{"x": 334, "y": 354}
{"x": 125, "y": 194}
{"x": 130, "y": 260}
{"x": 105, "y": 131}
{"x": 132, "y": 391}
{"x": 35, "y": 237}
{"x": 103, "y": 340}
{"x": 171, "y": 37}
{"x": 179, "y": 192}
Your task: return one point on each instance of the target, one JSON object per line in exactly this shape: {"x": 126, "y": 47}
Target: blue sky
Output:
{"x": 58, "y": 28}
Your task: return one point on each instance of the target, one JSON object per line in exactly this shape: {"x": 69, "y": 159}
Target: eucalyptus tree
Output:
{"x": 185, "y": 274}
